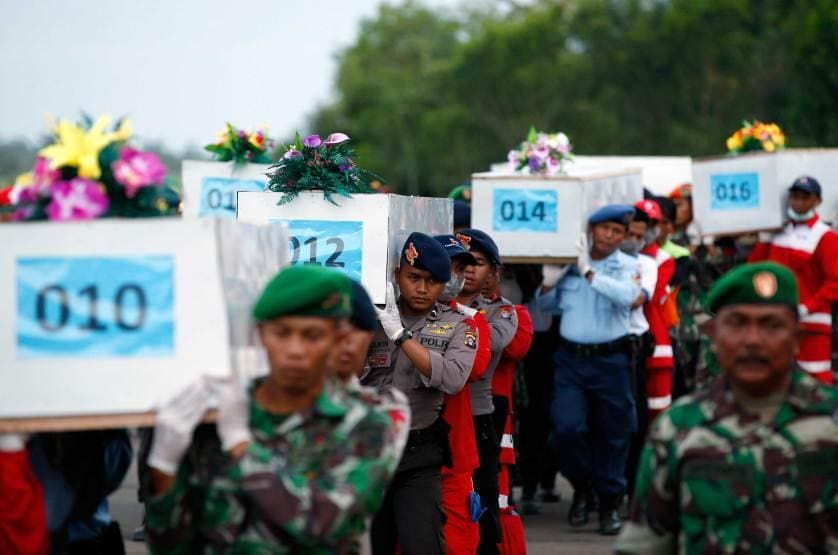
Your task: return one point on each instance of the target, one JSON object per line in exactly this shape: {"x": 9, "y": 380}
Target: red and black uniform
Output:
{"x": 659, "y": 365}
{"x": 810, "y": 250}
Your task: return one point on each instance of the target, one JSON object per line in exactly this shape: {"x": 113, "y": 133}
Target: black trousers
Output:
{"x": 485, "y": 481}
{"x": 640, "y": 375}
{"x": 411, "y": 516}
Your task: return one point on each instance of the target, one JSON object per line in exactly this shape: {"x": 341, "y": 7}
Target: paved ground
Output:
{"x": 547, "y": 533}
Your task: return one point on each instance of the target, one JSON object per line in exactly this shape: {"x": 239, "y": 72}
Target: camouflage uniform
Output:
{"x": 717, "y": 479}
{"x": 305, "y": 484}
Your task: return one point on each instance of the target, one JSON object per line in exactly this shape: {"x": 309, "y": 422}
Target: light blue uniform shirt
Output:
{"x": 596, "y": 311}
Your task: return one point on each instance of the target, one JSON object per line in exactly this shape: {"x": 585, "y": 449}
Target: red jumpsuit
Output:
{"x": 23, "y": 514}
{"x": 513, "y": 542}
{"x": 659, "y": 365}
{"x": 462, "y": 535}
{"x": 810, "y": 250}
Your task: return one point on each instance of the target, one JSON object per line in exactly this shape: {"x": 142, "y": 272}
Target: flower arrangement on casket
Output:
{"x": 756, "y": 136}
{"x": 541, "y": 154}
{"x": 241, "y": 146}
{"x": 88, "y": 171}
{"x": 312, "y": 164}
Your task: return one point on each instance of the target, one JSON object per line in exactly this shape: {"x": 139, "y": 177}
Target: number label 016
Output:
{"x": 95, "y": 307}
{"x": 329, "y": 243}
{"x": 218, "y": 195}
{"x": 734, "y": 191}
{"x": 525, "y": 210}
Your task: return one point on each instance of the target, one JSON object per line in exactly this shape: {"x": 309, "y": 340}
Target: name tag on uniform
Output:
{"x": 436, "y": 335}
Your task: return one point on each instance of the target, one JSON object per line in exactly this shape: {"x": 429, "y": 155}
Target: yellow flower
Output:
{"x": 123, "y": 132}
{"x": 24, "y": 180}
{"x": 734, "y": 142}
{"x": 76, "y": 147}
{"x": 768, "y": 146}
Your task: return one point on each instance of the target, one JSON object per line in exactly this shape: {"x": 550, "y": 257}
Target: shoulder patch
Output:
{"x": 470, "y": 339}
{"x": 506, "y": 312}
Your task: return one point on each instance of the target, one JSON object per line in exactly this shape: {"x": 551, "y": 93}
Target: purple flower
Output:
{"x": 336, "y": 139}
{"x": 79, "y": 199}
{"x": 312, "y": 141}
{"x": 135, "y": 169}
{"x": 345, "y": 167}
{"x": 535, "y": 164}
{"x": 292, "y": 153}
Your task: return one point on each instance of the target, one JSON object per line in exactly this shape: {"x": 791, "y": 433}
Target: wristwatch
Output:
{"x": 406, "y": 334}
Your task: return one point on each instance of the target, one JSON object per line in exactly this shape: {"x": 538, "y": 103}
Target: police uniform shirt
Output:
{"x": 596, "y": 311}
{"x": 452, "y": 345}
{"x": 503, "y": 323}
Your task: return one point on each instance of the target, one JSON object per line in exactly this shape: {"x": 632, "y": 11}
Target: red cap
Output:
{"x": 650, "y": 207}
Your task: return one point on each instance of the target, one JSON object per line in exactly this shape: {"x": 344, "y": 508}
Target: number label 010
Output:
{"x": 525, "y": 210}
{"x": 334, "y": 244}
{"x": 734, "y": 191}
{"x": 218, "y": 195}
{"x": 95, "y": 307}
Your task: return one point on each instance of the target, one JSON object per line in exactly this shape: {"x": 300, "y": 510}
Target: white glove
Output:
{"x": 10, "y": 443}
{"x": 802, "y": 310}
{"x": 765, "y": 237}
{"x": 233, "y": 413}
{"x": 389, "y": 316}
{"x": 583, "y": 255}
{"x": 552, "y": 273}
{"x": 176, "y": 420}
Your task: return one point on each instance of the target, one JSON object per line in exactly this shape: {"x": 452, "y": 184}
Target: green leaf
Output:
{"x": 532, "y": 136}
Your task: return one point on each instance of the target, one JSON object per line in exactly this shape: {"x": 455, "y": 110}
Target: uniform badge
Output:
{"x": 506, "y": 312}
{"x": 471, "y": 339}
{"x": 465, "y": 240}
{"x": 484, "y": 311}
{"x": 765, "y": 284}
{"x": 331, "y": 301}
{"x": 411, "y": 254}
{"x": 439, "y": 329}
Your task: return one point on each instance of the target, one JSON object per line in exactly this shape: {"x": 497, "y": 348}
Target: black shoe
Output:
{"x": 578, "y": 514}
{"x": 550, "y": 496}
{"x": 610, "y": 523}
{"x": 594, "y": 503}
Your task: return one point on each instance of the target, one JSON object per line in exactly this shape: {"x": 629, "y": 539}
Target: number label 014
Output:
{"x": 329, "y": 243}
{"x": 734, "y": 191}
{"x": 525, "y": 210}
{"x": 95, "y": 307}
{"x": 218, "y": 195}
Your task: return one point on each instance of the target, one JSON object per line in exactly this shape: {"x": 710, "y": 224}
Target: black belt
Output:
{"x": 431, "y": 434}
{"x": 594, "y": 350}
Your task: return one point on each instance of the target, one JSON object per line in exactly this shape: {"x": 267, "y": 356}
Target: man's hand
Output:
{"x": 583, "y": 255}
{"x": 176, "y": 420}
{"x": 389, "y": 316}
{"x": 233, "y": 416}
{"x": 552, "y": 273}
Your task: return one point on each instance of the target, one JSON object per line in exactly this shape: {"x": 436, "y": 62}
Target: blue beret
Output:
{"x": 425, "y": 253}
{"x": 454, "y": 248}
{"x": 476, "y": 240}
{"x": 807, "y": 184}
{"x": 462, "y": 214}
{"x": 618, "y": 213}
{"x": 363, "y": 312}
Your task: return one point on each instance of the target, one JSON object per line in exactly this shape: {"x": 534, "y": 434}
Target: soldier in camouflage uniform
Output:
{"x": 298, "y": 463}
{"x": 750, "y": 464}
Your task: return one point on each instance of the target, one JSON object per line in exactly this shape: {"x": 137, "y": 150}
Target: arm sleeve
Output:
{"x": 348, "y": 487}
{"x": 653, "y": 524}
{"x": 503, "y": 324}
{"x": 826, "y": 255}
{"x": 520, "y": 344}
{"x": 648, "y": 276}
{"x": 484, "y": 348}
{"x": 548, "y": 302}
{"x": 759, "y": 252}
{"x": 622, "y": 292}
{"x": 665, "y": 273}
{"x": 23, "y": 514}
{"x": 450, "y": 370}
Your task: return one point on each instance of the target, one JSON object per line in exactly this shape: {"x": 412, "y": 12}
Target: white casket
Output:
{"x": 103, "y": 320}
{"x": 361, "y": 237}
{"x": 210, "y": 188}
{"x": 538, "y": 218}
{"x": 745, "y": 193}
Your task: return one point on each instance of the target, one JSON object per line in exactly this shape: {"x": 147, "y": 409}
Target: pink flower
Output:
{"x": 79, "y": 199}
{"x": 336, "y": 139}
{"x": 136, "y": 169}
{"x": 42, "y": 175}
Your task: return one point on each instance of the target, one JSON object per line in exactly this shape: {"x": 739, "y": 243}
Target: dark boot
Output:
{"x": 578, "y": 514}
{"x": 609, "y": 519}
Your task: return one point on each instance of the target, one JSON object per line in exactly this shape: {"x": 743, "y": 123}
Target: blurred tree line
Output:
{"x": 431, "y": 97}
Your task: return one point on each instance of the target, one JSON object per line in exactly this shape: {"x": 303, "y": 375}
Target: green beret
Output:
{"x": 760, "y": 283}
{"x": 305, "y": 290}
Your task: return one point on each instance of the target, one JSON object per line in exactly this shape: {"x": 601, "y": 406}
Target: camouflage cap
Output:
{"x": 760, "y": 283}
{"x": 305, "y": 291}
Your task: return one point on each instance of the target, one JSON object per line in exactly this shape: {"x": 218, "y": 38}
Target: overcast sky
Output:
{"x": 179, "y": 68}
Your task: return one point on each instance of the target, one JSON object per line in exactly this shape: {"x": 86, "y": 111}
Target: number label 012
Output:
{"x": 525, "y": 210}
{"x": 734, "y": 191}
{"x": 329, "y": 243}
{"x": 95, "y": 307}
{"x": 218, "y": 195}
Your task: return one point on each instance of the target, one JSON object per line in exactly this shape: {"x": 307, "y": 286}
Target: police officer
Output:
{"x": 593, "y": 407}
{"x": 425, "y": 349}
{"x": 503, "y": 323}
{"x": 349, "y": 355}
{"x": 749, "y": 464}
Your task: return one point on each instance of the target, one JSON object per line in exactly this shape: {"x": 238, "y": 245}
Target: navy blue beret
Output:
{"x": 476, "y": 240}
{"x": 454, "y": 248}
{"x": 807, "y": 184}
{"x": 363, "y": 312}
{"x": 618, "y": 213}
{"x": 462, "y": 214}
{"x": 425, "y": 253}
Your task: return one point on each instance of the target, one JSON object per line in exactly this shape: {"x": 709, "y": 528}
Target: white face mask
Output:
{"x": 632, "y": 247}
{"x": 651, "y": 235}
{"x": 453, "y": 286}
{"x": 795, "y": 217}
